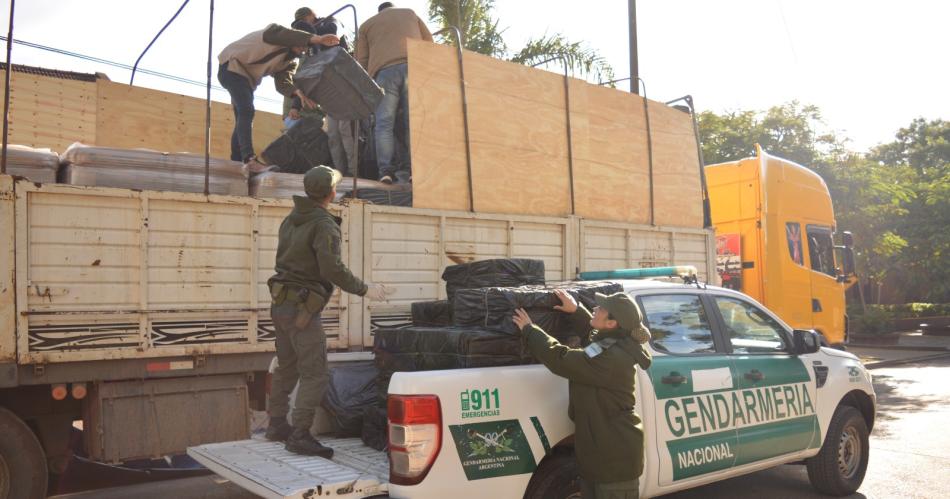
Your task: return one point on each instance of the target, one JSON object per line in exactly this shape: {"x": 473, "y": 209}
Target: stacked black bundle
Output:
{"x": 352, "y": 390}
{"x": 429, "y": 348}
{"x": 487, "y": 273}
{"x": 389, "y": 197}
{"x": 492, "y": 308}
{"x": 432, "y": 313}
{"x": 375, "y": 428}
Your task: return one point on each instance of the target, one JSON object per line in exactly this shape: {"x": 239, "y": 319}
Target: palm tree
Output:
{"x": 481, "y": 33}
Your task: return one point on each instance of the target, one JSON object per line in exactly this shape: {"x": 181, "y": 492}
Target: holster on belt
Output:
{"x": 308, "y": 302}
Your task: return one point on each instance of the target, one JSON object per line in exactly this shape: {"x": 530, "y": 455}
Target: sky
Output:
{"x": 871, "y": 66}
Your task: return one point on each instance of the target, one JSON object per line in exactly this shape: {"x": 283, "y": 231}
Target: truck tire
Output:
{"x": 22, "y": 458}
{"x": 838, "y": 468}
{"x": 556, "y": 478}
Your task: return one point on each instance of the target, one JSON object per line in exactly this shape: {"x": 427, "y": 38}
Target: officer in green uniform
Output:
{"x": 308, "y": 267}
{"x": 608, "y": 435}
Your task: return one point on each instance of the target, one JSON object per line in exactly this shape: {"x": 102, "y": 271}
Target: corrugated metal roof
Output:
{"x": 51, "y": 73}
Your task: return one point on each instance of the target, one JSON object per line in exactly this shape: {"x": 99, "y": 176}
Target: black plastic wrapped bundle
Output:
{"x": 432, "y": 313}
{"x": 375, "y": 432}
{"x": 492, "y": 308}
{"x": 499, "y": 272}
{"x": 352, "y": 390}
{"x": 430, "y": 348}
{"x": 333, "y": 79}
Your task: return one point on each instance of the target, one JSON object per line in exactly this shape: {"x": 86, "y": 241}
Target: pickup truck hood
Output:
{"x": 834, "y": 352}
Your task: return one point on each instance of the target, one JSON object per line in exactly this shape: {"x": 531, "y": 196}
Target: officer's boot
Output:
{"x": 302, "y": 442}
{"x": 278, "y": 429}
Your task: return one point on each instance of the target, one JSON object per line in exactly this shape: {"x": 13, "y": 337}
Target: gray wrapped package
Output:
{"x": 38, "y": 165}
{"x": 286, "y": 185}
{"x": 339, "y": 84}
{"x": 151, "y": 170}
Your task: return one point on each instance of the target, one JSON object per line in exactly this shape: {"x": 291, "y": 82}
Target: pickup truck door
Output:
{"x": 775, "y": 403}
{"x": 691, "y": 376}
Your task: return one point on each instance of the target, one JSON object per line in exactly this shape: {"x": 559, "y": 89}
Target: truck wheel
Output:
{"x": 556, "y": 478}
{"x": 22, "y": 458}
{"x": 839, "y": 467}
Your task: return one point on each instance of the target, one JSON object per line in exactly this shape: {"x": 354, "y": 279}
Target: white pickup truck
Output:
{"x": 732, "y": 390}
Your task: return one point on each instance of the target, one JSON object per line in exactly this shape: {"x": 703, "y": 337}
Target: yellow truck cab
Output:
{"x": 775, "y": 229}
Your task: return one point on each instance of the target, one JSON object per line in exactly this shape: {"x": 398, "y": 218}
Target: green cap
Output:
{"x": 319, "y": 181}
{"x": 302, "y": 13}
{"x": 626, "y": 312}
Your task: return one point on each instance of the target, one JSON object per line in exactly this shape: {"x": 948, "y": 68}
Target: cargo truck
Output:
{"x": 775, "y": 230}
{"x": 144, "y": 314}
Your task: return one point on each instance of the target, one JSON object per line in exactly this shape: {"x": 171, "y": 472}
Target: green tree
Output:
{"x": 481, "y": 33}
{"x": 920, "y": 158}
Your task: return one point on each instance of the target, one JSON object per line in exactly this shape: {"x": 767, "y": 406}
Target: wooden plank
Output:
{"x": 134, "y": 117}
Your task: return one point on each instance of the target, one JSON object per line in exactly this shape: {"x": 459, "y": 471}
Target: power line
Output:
{"x": 107, "y": 62}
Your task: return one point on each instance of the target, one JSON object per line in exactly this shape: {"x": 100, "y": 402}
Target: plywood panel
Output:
{"x": 676, "y": 181}
{"x": 50, "y": 112}
{"x": 519, "y": 144}
{"x": 134, "y": 117}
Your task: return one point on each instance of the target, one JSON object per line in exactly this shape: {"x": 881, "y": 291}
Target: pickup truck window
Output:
{"x": 749, "y": 329}
{"x": 679, "y": 323}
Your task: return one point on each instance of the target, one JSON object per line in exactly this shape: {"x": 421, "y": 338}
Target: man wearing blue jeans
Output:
{"x": 381, "y": 49}
{"x": 272, "y": 51}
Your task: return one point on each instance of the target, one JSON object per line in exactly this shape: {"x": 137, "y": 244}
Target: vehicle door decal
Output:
{"x": 493, "y": 449}
{"x": 761, "y": 411}
{"x": 543, "y": 436}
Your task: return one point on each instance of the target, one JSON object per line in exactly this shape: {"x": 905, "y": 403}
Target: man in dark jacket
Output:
{"x": 308, "y": 267}
{"x": 608, "y": 437}
{"x": 272, "y": 51}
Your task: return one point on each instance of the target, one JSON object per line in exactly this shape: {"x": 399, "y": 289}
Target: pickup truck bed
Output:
{"x": 266, "y": 469}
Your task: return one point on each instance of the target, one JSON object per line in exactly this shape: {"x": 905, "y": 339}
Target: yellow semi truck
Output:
{"x": 775, "y": 229}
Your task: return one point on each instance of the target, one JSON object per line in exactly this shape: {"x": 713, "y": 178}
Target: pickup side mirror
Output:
{"x": 806, "y": 341}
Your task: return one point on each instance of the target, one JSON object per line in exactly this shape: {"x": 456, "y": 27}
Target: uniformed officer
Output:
{"x": 608, "y": 435}
{"x": 308, "y": 266}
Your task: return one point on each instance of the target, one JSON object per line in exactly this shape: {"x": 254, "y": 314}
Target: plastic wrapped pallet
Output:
{"x": 492, "y": 308}
{"x": 38, "y": 165}
{"x": 150, "y": 170}
{"x": 431, "y": 313}
{"x": 352, "y": 390}
{"x": 429, "y": 348}
{"x": 490, "y": 273}
{"x": 333, "y": 79}
{"x": 286, "y": 185}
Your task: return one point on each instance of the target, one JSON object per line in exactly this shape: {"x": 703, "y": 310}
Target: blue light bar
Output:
{"x": 678, "y": 270}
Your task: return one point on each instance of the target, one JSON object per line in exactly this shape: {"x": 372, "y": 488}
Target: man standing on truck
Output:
{"x": 272, "y": 51}
{"x": 381, "y": 50}
{"x": 608, "y": 438}
{"x": 308, "y": 266}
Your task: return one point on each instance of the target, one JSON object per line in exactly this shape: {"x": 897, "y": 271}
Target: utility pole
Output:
{"x": 634, "y": 62}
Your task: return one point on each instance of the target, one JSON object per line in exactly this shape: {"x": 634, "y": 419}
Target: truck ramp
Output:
{"x": 268, "y": 470}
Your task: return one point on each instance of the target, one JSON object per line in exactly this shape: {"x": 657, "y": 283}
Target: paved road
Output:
{"x": 910, "y": 444}
{"x": 909, "y": 451}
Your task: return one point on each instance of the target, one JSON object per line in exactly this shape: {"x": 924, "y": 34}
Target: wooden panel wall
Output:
{"x": 134, "y": 117}
{"x": 55, "y": 112}
{"x": 519, "y": 150}
{"x": 50, "y": 112}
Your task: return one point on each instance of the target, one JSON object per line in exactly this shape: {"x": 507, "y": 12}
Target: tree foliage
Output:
{"x": 481, "y": 33}
{"x": 896, "y": 198}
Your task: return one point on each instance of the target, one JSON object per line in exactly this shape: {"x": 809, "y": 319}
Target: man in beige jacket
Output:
{"x": 272, "y": 51}
{"x": 381, "y": 49}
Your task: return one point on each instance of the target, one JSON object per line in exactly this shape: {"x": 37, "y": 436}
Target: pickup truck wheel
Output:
{"x": 22, "y": 458}
{"x": 556, "y": 478}
{"x": 839, "y": 467}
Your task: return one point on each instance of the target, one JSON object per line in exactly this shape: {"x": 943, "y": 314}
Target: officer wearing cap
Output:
{"x": 308, "y": 267}
{"x": 608, "y": 437}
